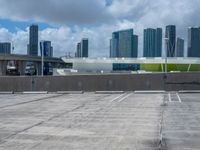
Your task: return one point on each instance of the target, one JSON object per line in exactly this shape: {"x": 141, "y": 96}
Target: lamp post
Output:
{"x": 166, "y": 41}
{"x": 42, "y": 59}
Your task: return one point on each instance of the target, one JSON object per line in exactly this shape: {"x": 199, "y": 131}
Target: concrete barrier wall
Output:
{"x": 125, "y": 82}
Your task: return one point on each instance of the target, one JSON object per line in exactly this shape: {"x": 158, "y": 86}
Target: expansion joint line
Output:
{"x": 161, "y": 123}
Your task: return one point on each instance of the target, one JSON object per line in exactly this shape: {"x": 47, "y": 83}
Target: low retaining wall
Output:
{"x": 111, "y": 82}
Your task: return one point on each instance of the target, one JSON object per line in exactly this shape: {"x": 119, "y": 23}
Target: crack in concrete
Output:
{"x": 161, "y": 142}
{"x": 32, "y": 101}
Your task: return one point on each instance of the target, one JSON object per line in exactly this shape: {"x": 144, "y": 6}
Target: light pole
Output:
{"x": 166, "y": 42}
{"x": 42, "y": 59}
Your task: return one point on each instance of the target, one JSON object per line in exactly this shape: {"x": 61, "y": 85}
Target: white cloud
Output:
{"x": 5, "y": 35}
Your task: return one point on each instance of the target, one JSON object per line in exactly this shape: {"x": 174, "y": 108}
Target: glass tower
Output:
{"x": 82, "y": 48}
{"x": 124, "y": 44}
{"x": 194, "y": 42}
{"x": 33, "y": 40}
{"x": 170, "y": 35}
{"x": 47, "y": 49}
{"x": 180, "y": 47}
{"x": 152, "y": 42}
{"x": 5, "y": 48}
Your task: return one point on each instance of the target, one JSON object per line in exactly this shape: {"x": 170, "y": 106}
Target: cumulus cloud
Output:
{"x": 96, "y": 20}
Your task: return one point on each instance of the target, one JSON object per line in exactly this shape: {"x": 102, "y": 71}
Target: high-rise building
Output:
{"x": 47, "y": 49}
{"x": 194, "y": 42}
{"x": 158, "y": 51}
{"x": 124, "y": 44}
{"x": 179, "y": 47}
{"x": 5, "y": 48}
{"x": 135, "y": 46}
{"x": 170, "y": 39}
{"x": 114, "y": 42}
{"x": 152, "y": 42}
{"x": 78, "y": 50}
{"x": 82, "y": 48}
{"x": 33, "y": 41}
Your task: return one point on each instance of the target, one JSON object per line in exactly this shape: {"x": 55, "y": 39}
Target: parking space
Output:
{"x": 123, "y": 121}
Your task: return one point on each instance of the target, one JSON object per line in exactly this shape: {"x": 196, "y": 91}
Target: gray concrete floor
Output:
{"x": 100, "y": 122}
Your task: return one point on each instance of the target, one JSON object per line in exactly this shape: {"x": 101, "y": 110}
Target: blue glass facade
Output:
{"x": 152, "y": 42}
{"x": 5, "y": 48}
{"x": 194, "y": 42}
{"x": 124, "y": 44}
{"x": 82, "y": 48}
{"x": 47, "y": 48}
{"x": 180, "y": 47}
{"x": 170, "y": 35}
{"x": 33, "y": 41}
{"x": 126, "y": 67}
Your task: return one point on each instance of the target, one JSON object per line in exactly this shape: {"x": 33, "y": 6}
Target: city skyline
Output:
{"x": 65, "y": 29}
{"x": 152, "y": 43}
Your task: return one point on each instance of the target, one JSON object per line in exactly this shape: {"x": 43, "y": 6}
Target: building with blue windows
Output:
{"x": 82, "y": 48}
{"x": 170, "y": 40}
{"x": 194, "y": 42}
{"x": 152, "y": 42}
{"x": 124, "y": 44}
{"x": 180, "y": 47}
{"x": 46, "y": 48}
{"x": 32, "y": 48}
{"x": 5, "y": 48}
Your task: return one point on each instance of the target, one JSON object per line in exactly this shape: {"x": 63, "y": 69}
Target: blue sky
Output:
{"x": 13, "y": 26}
{"x": 65, "y": 22}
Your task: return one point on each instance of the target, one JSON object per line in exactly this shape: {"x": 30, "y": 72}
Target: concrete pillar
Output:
{"x": 4, "y": 67}
{"x": 22, "y": 67}
{"x": 38, "y": 67}
{"x": 1, "y": 66}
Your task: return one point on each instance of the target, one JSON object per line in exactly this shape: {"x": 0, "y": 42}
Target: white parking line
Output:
{"x": 125, "y": 97}
{"x": 169, "y": 97}
{"x": 178, "y": 97}
{"x": 117, "y": 97}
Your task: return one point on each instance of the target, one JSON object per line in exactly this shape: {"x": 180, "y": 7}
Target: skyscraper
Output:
{"x": 82, "y": 48}
{"x": 33, "y": 41}
{"x": 152, "y": 42}
{"x": 158, "y": 51}
{"x": 47, "y": 49}
{"x": 78, "y": 50}
{"x": 114, "y": 42}
{"x": 179, "y": 47}
{"x": 194, "y": 42}
{"x": 135, "y": 46}
{"x": 170, "y": 35}
{"x": 124, "y": 44}
{"x": 5, "y": 48}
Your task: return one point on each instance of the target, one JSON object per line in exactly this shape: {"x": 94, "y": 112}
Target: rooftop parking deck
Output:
{"x": 103, "y": 121}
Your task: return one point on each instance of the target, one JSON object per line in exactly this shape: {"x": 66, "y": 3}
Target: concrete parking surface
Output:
{"x": 126, "y": 121}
